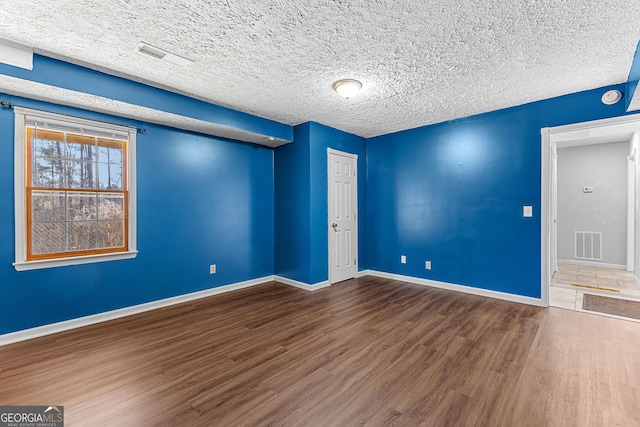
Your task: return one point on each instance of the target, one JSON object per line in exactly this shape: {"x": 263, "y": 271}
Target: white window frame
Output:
{"x": 20, "y": 156}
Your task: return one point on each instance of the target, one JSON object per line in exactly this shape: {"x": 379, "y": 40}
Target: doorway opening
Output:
{"x": 590, "y": 224}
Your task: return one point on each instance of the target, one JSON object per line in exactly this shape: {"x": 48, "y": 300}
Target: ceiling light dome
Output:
{"x": 347, "y": 88}
{"x": 610, "y": 97}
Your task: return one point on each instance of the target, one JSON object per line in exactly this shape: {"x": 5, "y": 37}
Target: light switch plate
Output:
{"x": 527, "y": 211}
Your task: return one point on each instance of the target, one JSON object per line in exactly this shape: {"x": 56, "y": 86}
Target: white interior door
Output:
{"x": 343, "y": 211}
{"x": 553, "y": 229}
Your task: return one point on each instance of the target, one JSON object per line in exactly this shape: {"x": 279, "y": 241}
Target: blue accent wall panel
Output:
{"x": 453, "y": 193}
{"x": 201, "y": 201}
{"x": 301, "y": 204}
{"x": 634, "y": 77}
{"x": 322, "y": 138}
{"x": 293, "y": 207}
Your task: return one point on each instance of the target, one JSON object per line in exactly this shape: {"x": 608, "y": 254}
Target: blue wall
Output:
{"x": 292, "y": 163}
{"x": 323, "y": 137}
{"x": 453, "y": 193}
{"x": 634, "y": 77}
{"x": 201, "y": 200}
{"x": 301, "y": 202}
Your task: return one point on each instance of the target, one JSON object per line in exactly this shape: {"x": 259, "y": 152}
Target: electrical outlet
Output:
{"x": 403, "y": 259}
{"x": 212, "y": 269}
{"x": 427, "y": 265}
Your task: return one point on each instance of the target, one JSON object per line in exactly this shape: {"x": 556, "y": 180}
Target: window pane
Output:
{"x": 47, "y": 237}
{"x": 111, "y": 234}
{"x": 81, "y": 147}
{"x": 47, "y": 173}
{"x": 81, "y": 206}
{"x": 110, "y": 176}
{"x": 47, "y": 206}
{"x": 109, "y": 151}
{"x": 110, "y": 206}
{"x": 81, "y": 174}
{"x": 47, "y": 148}
{"x": 82, "y": 235}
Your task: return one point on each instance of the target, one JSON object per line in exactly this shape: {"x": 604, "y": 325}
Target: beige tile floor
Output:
{"x": 563, "y": 295}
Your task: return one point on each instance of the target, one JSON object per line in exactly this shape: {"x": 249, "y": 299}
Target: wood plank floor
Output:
{"x": 368, "y": 351}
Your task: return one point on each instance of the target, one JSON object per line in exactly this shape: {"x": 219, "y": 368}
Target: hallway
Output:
{"x": 608, "y": 282}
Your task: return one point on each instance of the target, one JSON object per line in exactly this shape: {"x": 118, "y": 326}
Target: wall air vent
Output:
{"x": 588, "y": 245}
{"x": 163, "y": 55}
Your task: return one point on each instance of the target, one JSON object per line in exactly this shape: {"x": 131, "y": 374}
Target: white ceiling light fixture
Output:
{"x": 347, "y": 88}
{"x": 610, "y": 97}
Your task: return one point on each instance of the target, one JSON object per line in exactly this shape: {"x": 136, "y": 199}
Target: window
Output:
{"x": 75, "y": 190}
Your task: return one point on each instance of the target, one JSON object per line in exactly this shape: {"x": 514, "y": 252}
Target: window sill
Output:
{"x": 61, "y": 262}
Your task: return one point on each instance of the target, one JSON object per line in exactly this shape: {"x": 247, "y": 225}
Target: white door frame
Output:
{"x": 569, "y": 135}
{"x": 354, "y": 157}
{"x": 631, "y": 206}
{"x": 553, "y": 210}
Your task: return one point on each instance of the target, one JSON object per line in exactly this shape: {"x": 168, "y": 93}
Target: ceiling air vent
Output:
{"x": 163, "y": 55}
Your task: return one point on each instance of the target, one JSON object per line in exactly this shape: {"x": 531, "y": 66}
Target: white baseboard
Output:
{"x": 66, "y": 325}
{"x": 592, "y": 264}
{"x": 363, "y": 273}
{"x": 302, "y": 285}
{"x": 315, "y": 286}
{"x": 460, "y": 288}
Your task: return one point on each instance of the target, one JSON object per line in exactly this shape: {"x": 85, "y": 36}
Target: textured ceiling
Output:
{"x": 420, "y": 62}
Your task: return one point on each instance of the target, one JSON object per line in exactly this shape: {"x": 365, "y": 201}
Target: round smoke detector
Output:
{"x": 610, "y": 97}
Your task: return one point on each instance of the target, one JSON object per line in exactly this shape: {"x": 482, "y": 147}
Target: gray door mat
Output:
{"x": 615, "y": 306}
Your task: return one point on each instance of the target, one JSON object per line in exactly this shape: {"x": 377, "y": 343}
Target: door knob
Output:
{"x": 334, "y": 225}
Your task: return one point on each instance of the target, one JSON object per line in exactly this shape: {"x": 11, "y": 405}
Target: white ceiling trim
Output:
{"x": 16, "y": 54}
